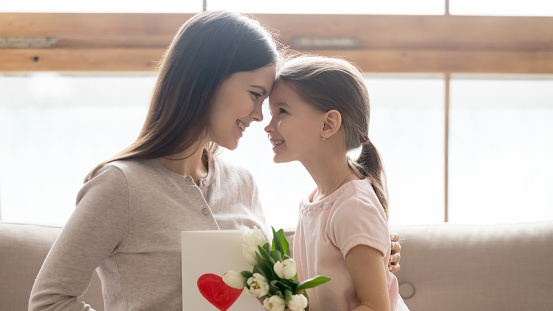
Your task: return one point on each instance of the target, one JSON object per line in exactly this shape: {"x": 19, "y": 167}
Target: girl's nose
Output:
{"x": 269, "y": 127}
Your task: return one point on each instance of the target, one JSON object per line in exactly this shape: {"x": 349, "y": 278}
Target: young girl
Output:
{"x": 320, "y": 111}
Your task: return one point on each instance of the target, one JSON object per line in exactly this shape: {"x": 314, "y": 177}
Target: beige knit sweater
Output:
{"x": 127, "y": 223}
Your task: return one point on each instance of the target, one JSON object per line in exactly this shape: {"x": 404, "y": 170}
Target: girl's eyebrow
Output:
{"x": 261, "y": 88}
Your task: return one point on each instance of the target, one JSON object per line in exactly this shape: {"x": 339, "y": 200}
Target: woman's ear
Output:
{"x": 332, "y": 123}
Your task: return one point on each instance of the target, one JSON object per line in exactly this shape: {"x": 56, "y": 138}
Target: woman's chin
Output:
{"x": 280, "y": 159}
{"x": 228, "y": 145}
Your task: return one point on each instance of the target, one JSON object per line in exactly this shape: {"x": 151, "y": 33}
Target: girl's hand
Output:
{"x": 395, "y": 257}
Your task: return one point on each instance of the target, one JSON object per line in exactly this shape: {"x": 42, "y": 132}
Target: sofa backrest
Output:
{"x": 23, "y": 248}
{"x": 477, "y": 267}
{"x": 443, "y": 267}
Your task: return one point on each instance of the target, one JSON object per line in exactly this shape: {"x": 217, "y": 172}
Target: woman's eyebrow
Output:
{"x": 261, "y": 88}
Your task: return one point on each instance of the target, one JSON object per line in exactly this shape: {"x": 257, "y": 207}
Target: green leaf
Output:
{"x": 282, "y": 285}
{"x": 312, "y": 282}
{"x": 287, "y": 295}
{"x": 274, "y": 246}
{"x": 265, "y": 254}
{"x": 246, "y": 274}
{"x": 290, "y": 284}
{"x": 257, "y": 269}
{"x": 279, "y": 241}
{"x": 270, "y": 272}
{"x": 273, "y": 289}
{"x": 276, "y": 255}
{"x": 264, "y": 266}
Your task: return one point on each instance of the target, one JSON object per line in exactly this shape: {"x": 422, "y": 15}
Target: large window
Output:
{"x": 501, "y": 149}
{"x": 460, "y": 116}
{"x": 55, "y": 128}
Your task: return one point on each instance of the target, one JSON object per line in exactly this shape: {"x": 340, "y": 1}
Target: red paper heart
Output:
{"x": 217, "y": 292}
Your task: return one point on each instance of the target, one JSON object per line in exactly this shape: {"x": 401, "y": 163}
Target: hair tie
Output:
{"x": 366, "y": 141}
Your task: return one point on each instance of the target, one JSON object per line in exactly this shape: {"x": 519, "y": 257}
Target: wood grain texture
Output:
{"x": 386, "y": 43}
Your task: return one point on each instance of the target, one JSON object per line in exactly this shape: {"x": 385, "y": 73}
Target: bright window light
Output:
{"x": 500, "y": 150}
{"x": 504, "y": 7}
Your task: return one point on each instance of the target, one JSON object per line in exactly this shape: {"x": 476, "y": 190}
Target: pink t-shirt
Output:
{"x": 327, "y": 230}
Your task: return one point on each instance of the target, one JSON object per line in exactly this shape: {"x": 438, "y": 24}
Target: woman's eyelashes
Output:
{"x": 255, "y": 95}
{"x": 281, "y": 111}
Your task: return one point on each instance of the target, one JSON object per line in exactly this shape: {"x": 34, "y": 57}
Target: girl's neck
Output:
{"x": 189, "y": 162}
{"x": 329, "y": 172}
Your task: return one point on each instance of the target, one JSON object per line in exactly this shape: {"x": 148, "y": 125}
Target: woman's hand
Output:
{"x": 395, "y": 257}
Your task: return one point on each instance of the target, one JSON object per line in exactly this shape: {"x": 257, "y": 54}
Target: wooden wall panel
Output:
{"x": 135, "y": 42}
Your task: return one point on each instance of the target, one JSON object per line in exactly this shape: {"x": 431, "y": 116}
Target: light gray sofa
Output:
{"x": 443, "y": 267}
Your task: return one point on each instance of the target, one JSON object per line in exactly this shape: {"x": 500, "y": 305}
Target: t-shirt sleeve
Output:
{"x": 359, "y": 222}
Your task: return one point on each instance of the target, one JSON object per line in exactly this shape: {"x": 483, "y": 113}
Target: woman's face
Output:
{"x": 237, "y": 103}
{"x": 295, "y": 127}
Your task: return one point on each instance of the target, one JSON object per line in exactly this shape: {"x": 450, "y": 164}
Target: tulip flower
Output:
{"x": 274, "y": 303}
{"x": 249, "y": 254}
{"x": 297, "y": 303}
{"x": 234, "y": 279}
{"x": 258, "y": 285}
{"x": 285, "y": 269}
{"x": 254, "y": 237}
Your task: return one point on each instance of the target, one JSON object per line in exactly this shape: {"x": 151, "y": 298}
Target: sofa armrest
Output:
{"x": 23, "y": 248}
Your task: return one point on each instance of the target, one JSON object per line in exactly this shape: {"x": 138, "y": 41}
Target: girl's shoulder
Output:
{"x": 359, "y": 194}
{"x": 360, "y": 190}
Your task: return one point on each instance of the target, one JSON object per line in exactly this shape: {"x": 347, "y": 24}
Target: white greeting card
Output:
{"x": 206, "y": 256}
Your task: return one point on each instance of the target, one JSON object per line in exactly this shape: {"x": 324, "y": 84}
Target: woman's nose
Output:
{"x": 257, "y": 113}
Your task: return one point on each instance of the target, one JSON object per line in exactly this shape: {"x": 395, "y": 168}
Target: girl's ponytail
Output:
{"x": 369, "y": 165}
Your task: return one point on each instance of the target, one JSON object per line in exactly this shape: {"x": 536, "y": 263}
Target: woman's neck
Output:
{"x": 189, "y": 162}
{"x": 329, "y": 171}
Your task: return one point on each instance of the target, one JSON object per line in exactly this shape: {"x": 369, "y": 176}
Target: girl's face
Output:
{"x": 237, "y": 103}
{"x": 295, "y": 127}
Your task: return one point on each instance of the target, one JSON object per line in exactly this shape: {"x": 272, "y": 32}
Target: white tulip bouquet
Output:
{"x": 273, "y": 277}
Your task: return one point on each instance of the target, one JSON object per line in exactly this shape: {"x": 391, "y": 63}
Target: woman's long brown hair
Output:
{"x": 206, "y": 50}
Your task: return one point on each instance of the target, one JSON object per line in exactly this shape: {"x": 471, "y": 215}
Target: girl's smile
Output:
{"x": 294, "y": 130}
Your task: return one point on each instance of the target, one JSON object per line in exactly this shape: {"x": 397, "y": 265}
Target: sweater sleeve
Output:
{"x": 257, "y": 208}
{"x": 95, "y": 230}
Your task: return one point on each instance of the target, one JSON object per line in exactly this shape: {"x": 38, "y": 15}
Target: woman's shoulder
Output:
{"x": 227, "y": 169}
{"x": 127, "y": 169}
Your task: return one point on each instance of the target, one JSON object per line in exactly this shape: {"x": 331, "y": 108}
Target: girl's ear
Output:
{"x": 332, "y": 123}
